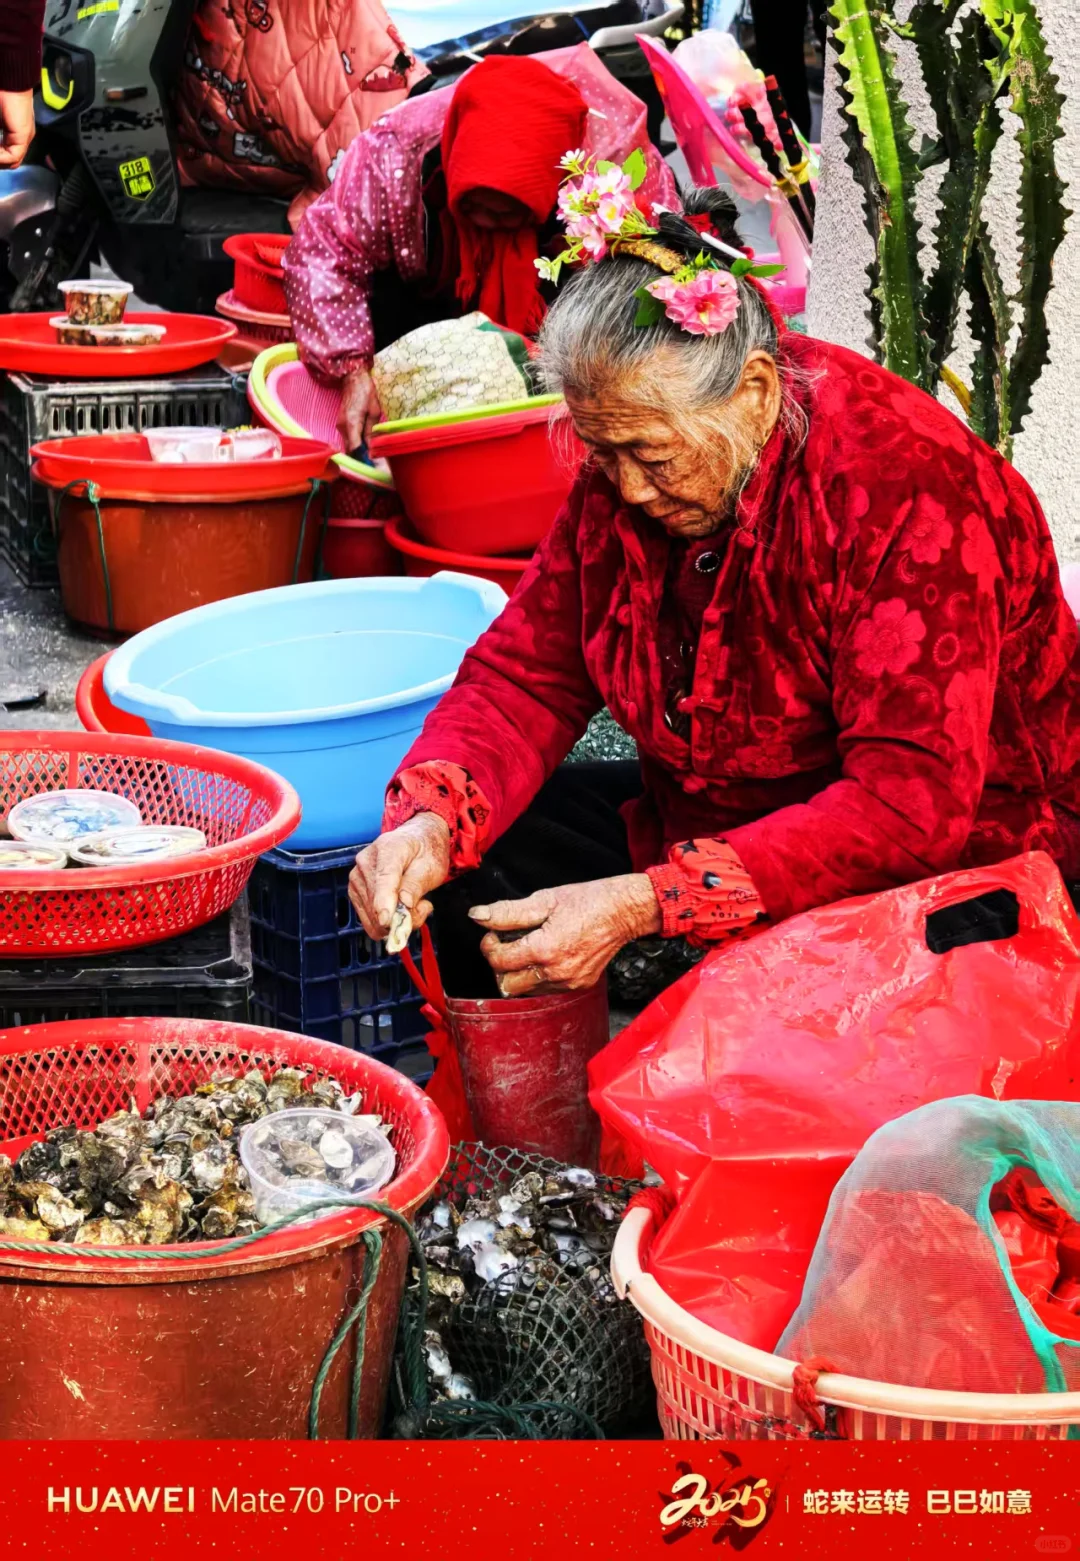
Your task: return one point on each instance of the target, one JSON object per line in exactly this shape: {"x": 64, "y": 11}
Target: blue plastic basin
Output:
{"x": 328, "y": 683}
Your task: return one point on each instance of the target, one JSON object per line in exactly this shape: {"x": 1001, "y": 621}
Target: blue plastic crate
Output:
{"x": 317, "y": 972}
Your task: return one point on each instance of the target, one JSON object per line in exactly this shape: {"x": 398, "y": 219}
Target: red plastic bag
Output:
{"x": 752, "y": 1083}
{"x": 446, "y": 1088}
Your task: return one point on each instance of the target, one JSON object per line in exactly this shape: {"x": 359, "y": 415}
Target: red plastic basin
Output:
{"x": 420, "y": 559}
{"x": 355, "y": 548}
{"x": 121, "y": 466}
{"x": 96, "y": 710}
{"x": 486, "y": 486}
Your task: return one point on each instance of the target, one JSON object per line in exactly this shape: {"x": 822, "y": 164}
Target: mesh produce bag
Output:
{"x": 544, "y": 1349}
{"x": 913, "y": 1280}
{"x": 451, "y": 366}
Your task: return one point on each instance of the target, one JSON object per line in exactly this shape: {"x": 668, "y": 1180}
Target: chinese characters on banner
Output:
{"x": 819, "y": 1503}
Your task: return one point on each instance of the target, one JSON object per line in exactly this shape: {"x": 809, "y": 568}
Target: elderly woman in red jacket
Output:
{"x": 827, "y": 612}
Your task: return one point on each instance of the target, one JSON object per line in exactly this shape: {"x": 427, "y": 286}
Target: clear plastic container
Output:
{"x": 55, "y": 817}
{"x": 25, "y": 856}
{"x": 72, "y": 334}
{"x": 296, "y": 1158}
{"x": 204, "y": 445}
{"x": 100, "y": 302}
{"x": 172, "y": 446}
{"x": 131, "y": 847}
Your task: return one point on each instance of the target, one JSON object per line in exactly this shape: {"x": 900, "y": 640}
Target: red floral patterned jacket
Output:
{"x": 887, "y": 682}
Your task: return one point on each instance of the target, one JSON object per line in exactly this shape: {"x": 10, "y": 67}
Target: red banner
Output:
{"x": 529, "y": 1501}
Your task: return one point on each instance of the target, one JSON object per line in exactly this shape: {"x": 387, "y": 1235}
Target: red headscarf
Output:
{"x": 510, "y": 121}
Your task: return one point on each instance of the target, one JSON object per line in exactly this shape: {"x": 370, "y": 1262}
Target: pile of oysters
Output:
{"x": 173, "y": 1174}
{"x": 541, "y": 1240}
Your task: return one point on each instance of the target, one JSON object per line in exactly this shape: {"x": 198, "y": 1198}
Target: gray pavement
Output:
{"x": 40, "y": 650}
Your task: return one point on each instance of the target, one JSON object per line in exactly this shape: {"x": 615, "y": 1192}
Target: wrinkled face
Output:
{"x": 653, "y": 465}
{"x": 686, "y": 484}
{"x": 495, "y": 211}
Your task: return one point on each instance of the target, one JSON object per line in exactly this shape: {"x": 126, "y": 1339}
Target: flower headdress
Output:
{"x": 596, "y": 203}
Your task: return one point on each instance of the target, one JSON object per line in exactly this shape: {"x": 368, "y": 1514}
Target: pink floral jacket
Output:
{"x": 887, "y": 682}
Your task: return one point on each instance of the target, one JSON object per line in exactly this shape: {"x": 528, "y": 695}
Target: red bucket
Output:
{"x": 356, "y": 548}
{"x": 225, "y": 1344}
{"x": 524, "y": 1063}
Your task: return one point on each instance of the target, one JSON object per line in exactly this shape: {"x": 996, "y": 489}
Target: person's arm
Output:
{"x": 522, "y": 698}
{"x": 914, "y": 660}
{"x": 344, "y": 238}
{"x": 20, "y": 66}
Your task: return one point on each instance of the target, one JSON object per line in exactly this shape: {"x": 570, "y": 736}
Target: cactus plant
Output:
{"x": 973, "y": 54}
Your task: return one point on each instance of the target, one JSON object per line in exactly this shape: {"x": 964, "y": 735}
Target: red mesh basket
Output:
{"x": 81, "y": 1071}
{"x": 258, "y": 278}
{"x": 242, "y": 808}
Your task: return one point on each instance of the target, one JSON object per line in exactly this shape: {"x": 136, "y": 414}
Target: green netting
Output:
{"x": 547, "y": 1348}
{"x": 910, "y": 1281}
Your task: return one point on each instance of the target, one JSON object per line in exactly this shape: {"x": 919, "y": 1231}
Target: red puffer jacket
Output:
{"x": 273, "y": 91}
{"x": 887, "y": 683}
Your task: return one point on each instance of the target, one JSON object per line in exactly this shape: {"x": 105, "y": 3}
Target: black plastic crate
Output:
{"x": 33, "y": 408}
{"x": 317, "y": 971}
{"x": 204, "y": 974}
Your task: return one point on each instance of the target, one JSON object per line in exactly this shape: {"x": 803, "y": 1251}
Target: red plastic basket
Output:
{"x": 83, "y": 1070}
{"x": 242, "y": 808}
{"x": 258, "y": 278}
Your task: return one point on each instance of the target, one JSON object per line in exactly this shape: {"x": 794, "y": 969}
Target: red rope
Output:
{"x": 804, "y": 1388}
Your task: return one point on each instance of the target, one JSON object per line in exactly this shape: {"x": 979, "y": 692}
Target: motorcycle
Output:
{"x": 102, "y": 181}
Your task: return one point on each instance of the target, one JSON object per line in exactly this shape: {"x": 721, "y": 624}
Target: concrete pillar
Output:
{"x": 1047, "y": 451}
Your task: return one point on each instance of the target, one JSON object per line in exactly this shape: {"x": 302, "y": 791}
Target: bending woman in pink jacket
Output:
{"x": 444, "y": 205}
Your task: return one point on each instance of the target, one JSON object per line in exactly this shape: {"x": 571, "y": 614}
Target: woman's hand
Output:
{"x": 16, "y": 127}
{"x": 402, "y": 866}
{"x": 573, "y": 933}
{"x": 360, "y": 408}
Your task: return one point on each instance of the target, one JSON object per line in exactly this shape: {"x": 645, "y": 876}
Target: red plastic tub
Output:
{"x": 225, "y": 1345}
{"x": 173, "y": 537}
{"x": 355, "y": 548}
{"x": 241, "y": 807}
{"x": 96, "y": 710}
{"x": 258, "y": 277}
{"x": 486, "y": 485}
{"x": 423, "y": 560}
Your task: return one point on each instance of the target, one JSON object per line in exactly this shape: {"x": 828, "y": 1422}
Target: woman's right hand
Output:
{"x": 360, "y": 409}
{"x": 402, "y": 866}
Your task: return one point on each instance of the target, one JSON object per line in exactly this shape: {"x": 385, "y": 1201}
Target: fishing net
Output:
{"x": 543, "y": 1349}
{"x": 950, "y": 1253}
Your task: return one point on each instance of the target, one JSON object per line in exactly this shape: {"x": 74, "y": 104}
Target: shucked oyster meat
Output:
{"x": 171, "y": 1174}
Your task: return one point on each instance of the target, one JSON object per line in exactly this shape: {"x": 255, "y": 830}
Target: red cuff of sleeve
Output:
{"x": 705, "y": 893}
{"x": 445, "y": 789}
